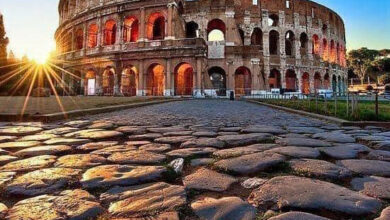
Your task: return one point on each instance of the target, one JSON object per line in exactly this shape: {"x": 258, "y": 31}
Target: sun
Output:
{"x": 40, "y": 59}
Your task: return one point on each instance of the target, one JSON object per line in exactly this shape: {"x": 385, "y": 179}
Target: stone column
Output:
{"x": 171, "y": 7}
{"x": 266, "y": 44}
{"x": 255, "y": 76}
{"x": 100, "y": 32}
{"x": 118, "y": 79}
{"x": 230, "y": 83}
{"x": 297, "y": 47}
{"x": 85, "y": 43}
{"x": 267, "y": 72}
{"x": 98, "y": 82}
{"x": 141, "y": 85}
{"x": 119, "y": 38}
{"x": 229, "y": 23}
{"x": 198, "y": 87}
{"x": 168, "y": 78}
{"x": 142, "y": 36}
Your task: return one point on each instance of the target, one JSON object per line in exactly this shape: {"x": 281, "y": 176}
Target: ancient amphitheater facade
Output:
{"x": 200, "y": 47}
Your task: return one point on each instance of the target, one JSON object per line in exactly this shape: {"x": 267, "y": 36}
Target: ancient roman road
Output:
{"x": 196, "y": 159}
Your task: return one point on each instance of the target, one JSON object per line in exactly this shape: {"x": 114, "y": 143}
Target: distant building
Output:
{"x": 3, "y": 42}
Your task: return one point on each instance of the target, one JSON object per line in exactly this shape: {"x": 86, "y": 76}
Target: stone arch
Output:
{"x": 184, "y": 79}
{"x": 274, "y": 42}
{"x": 317, "y": 81}
{"x": 129, "y": 81}
{"x": 257, "y": 37}
{"x": 332, "y": 51}
{"x": 304, "y": 39}
{"x": 334, "y": 83}
{"x": 305, "y": 83}
{"x": 92, "y": 35}
{"x": 90, "y": 82}
{"x": 291, "y": 81}
{"x": 243, "y": 81}
{"x": 325, "y": 54}
{"x": 242, "y": 36}
{"x": 156, "y": 26}
{"x": 218, "y": 80}
{"x": 79, "y": 39}
{"x": 273, "y": 20}
{"x": 110, "y": 32}
{"x": 339, "y": 85}
{"x": 216, "y": 30}
{"x": 316, "y": 45}
{"x": 274, "y": 79}
{"x": 108, "y": 81}
{"x": 290, "y": 43}
{"x": 326, "y": 81}
{"x": 155, "y": 80}
{"x": 192, "y": 29}
{"x": 130, "y": 29}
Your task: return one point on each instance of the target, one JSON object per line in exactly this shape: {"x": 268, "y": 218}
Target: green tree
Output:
{"x": 361, "y": 61}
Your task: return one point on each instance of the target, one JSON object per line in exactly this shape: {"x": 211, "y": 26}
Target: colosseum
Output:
{"x": 200, "y": 48}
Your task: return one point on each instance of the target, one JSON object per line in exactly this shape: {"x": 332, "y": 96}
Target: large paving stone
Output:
{"x": 264, "y": 129}
{"x": 166, "y": 129}
{"x": 386, "y": 134}
{"x": 385, "y": 215}
{"x": 122, "y": 175}
{"x": 205, "y": 134}
{"x": 367, "y": 167}
{"x": 252, "y": 183}
{"x": 202, "y": 162}
{"x": 30, "y": 164}
{"x": 291, "y": 192}
{"x": 4, "y": 159}
{"x": 178, "y": 133}
{"x": 239, "y": 151}
{"x": 319, "y": 168}
{"x": 231, "y": 129}
{"x": 345, "y": 151}
{"x": 144, "y": 200}
{"x": 80, "y": 161}
{"x": 96, "y": 134}
{"x": 335, "y": 136}
{"x": 173, "y": 139}
{"x": 60, "y": 131}
{"x": 44, "y": 150}
{"x": 102, "y": 125}
{"x": 78, "y": 123}
{"x": 305, "y": 130}
{"x": 114, "y": 149}
{"x": 137, "y": 143}
{"x": 373, "y": 186}
{"x": 379, "y": 155}
{"x": 204, "y": 142}
{"x": 72, "y": 205}
{"x": 246, "y": 139}
{"x": 42, "y": 181}
{"x": 38, "y": 137}
{"x": 298, "y": 152}
{"x": 132, "y": 130}
{"x": 223, "y": 209}
{"x": 297, "y": 216}
{"x": 136, "y": 157}
{"x": 5, "y": 177}
{"x": 156, "y": 148}
{"x": 303, "y": 142}
{"x": 19, "y": 130}
{"x": 17, "y": 145}
{"x": 7, "y": 138}
{"x": 66, "y": 141}
{"x": 251, "y": 163}
{"x": 189, "y": 152}
{"x": 3, "y": 211}
{"x": 143, "y": 137}
{"x": 97, "y": 145}
{"x": 205, "y": 179}
{"x": 382, "y": 145}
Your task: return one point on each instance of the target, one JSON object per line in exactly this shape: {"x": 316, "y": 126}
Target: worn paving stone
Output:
{"x": 144, "y": 200}
{"x": 385, "y": 215}
{"x": 345, "y": 151}
{"x": 204, "y": 142}
{"x": 3, "y": 210}
{"x": 373, "y": 186}
{"x": 60, "y": 130}
{"x": 114, "y": 149}
{"x": 303, "y": 142}
{"x": 287, "y": 193}
{"x": 66, "y": 141}
{"x": 136, "y": 157}
{"x": 5, "y": 177}
{"x": 382, "y": 145}
{"x": 297, "y": 216}
{"x": 189, "y": 152}
{"x": 137, "y": 143}
{"x": 17, "y": 145}
{"x": 379, "y": 155}
{"x": 298, "y": 152}
{"x": 239, "y": 151}
{"x": 4, "y": 159}
{"x": 97, "y": 145}
{"x": 251, "y": 163}
{"x": 231, "y": 129}
{"x": 246, "y": 139}
{"x": 305, "y": 130}
{"x": 30, "y": 164}
{"x": 132, "y": 130}
{"x": 253, "y": 182}
{"x": 177, "y": 133}
{"x": 156, "y": 148}
{"x": 319, "y": 168}
{"x": 38, "y": 137}
{"x": 95, "y": 134}
{"x": 80, "y": 161}
{"x": 19, "y": 130}
{"x": 224, "y": 208}
{"x": 44, "y": 150}
{"x": 205, "y": 134}
{"x": 335, "y": 136}
{"x": 264, "y": 129}
{"x": 143, "y": 137}
{"x": 102, "y": 125}
{"x": 72, "y": 205}
{"x": 7, "y": 138}
{"x": 42, "y": 181}
{"x": 78, "y": 123}
{"x": 205, "y": 179}
{"x": 4, "y": 152}
{"x": 173, "y": 139}
{"x": 224, "y": 133}
{"x": 122, "y": 175}
{"x": 367, "y": 167}
{"x": 166, "y": 129}
{"x": 202, "y": 162}
{"x": 371, "y": 138}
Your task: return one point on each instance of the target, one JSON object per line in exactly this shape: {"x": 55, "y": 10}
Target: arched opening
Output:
{"x": 304, "y": 40}
{"x": 110, "y": 32}
{"x": 108, "y": 81}
{"x": 129, "y": 81}
{"x": 291, "y": 81}
{"x": 317, "y": 81}
{"x": 218, "y": 80}
{"x": 90, "y": 82}
{"x": 92, "y": 35}
{"x": 79, "y": 39}
{"x": 130, "y": 29}
{"x": 305, "y": 83}
{"x": 338, "y": 53}
{"x": 242, "y": 36}
{"x": 243, "y": 81}
{"x": 180, "y": 8}
{"x": 325, "y": 54}
{"x": 156, "y": 27}
{"x": 192, "y": 29}
{"x": 77, "y": 83}
{"x": 216, "y": 30}
{"x": 273, "y": 42}
{"x": 340, "y": 85}
{"x": 155, "y": 80}
{"x": 324, "y": 28}
{"x": 327, "y": 81}
{"x": 273, "y": 20}
{"x": 290, "y": 43}
{"x": 274, "y": 79}
{"x": 316, "y": 45}
{"x": 334, "y": 83}
{"x": 184, "y": 74}
{"x": 257, "y": 37}
{"x": 332, "y": 51}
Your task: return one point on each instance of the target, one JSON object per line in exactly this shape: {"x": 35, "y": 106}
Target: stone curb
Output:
{"x": 78, "y": 113}
{"x": 338, "y": 121}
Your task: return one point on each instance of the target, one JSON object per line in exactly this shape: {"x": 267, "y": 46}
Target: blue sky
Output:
{"x": 31, "y": 23}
